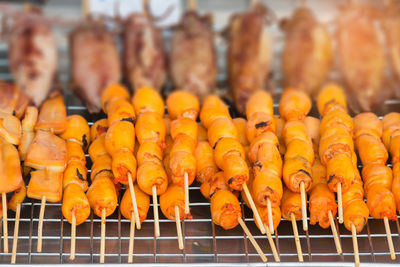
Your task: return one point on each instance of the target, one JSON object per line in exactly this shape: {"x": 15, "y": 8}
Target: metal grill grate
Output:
{"x": 203, "y": 241}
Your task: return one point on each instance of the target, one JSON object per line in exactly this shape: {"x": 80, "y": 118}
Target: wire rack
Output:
{"x": 204, "y": 243}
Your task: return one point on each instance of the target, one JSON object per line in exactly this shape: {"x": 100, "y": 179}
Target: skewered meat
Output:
{"x": 142, "y": 200}
{"x": 102, "y": 194}
{"x": 95, "y": 62}
{"x": 183, "y": 104}
{"x": 98, "y": 128}
{"x": 52, "y": 115}
{"x": 376, "y": 175}
{"x": 116, "y": 137}
{"x": 391, "y": 30}
{"x": 307, "y": 55}
{"x": 225, "y": 209}
{"x": 45, "y": 183}
{"x": 75, "y": 201}
{"x": 10, "y": 169}
{"x": 249, "y": 54}
{"x": 150, "y": 128}
{"x": 33, "y": 55}
{"x": 144, "y": 58}
{"x": 47, "y": 151}
{"x": 148, "y": 99}
{"x": 193, "y": 56}
{"x": 259, "y": 112}
{"x": 294, "y": 105}
{"x": 205, "y": 164}
{"x": 174, "y": 196}
{"x": 291, "y": 204}
{"x": 361, "y": 56}
{"x": 299, "y": 156}
{"x": 121, "y": 116}
{"x": 18, "y": 197}
{"x": 10, "y": 128}
{"x": 213, "y": 184}
{"x": 12, "y": 100}
{"x": 240, "y": 125}
{"x": 111, "y": 93}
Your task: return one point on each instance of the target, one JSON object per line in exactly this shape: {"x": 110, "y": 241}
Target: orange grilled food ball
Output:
{"x": 75, "y": 201}
{"x": 183, "y": 104}
{"x": 147, "y": 99}
{"x": 142, "y": 201}
{"x": 225, "y": 209}
{"x": 294, "y": 104}
{"x": 112, "y": 92}
{"x": 77, "y": 129}
{"x": 120, "y": 135}
{"x": 174, "y": 196}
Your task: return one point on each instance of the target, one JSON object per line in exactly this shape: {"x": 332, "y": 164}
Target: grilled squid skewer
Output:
{"x": 150, "y": 132}
{"x": 75, "y": 204}
{"x": 184, "y": 107}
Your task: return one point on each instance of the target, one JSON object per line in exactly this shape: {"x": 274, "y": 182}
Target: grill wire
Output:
{"x": 203, "y": 241}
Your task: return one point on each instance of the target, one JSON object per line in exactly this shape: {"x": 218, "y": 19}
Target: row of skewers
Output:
{"x": 272, "y": 162}
{"x": 307, "y": 57}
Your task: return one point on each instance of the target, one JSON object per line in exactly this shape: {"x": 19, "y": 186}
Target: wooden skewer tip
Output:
{"x": 73, "y": 235}
{"x": 103, "y": 235}
{"x": 272, "y": 244}
{"x": 296, "y": 237}
{"x": 131, "y": 239}
{"x": 389, "y": 238}
{"x": 334, "y": 233}
{"x": 40, "y": 227}
{"x": 355, "y": 245}
{"x": 134, "y": 203}
{"x": 178, "y": 227}
{"x": 252, "y": 240}
{"x": 254, "y": 208}
{"x": 270, "y": 218}
{"x": 303, "y": 206}
{"x": 155, "y": 211}
{"x": 16, "y": 229}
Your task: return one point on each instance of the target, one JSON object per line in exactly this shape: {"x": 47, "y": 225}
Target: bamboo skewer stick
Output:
{"x": 254, "y": 208}
{"x": 134, "y": 203}
{"x": 155, "y": 211}
{"x": 103, "y": 235}
{"x": 85, "y": 8}
{"x": 16, "y": 229}
{"x": 192, "y": 5}
{"x": 272, "y": 244}
{"x": 40, "y": 228}
{"x": 145, "y": 4}
{"x": 340, "y": 202}
{"x": 296, "y": 238}
{"x": 131, "y": 238}
{"x": 303, "y": 206}
{"x": 334, "y": 233}
{"x": 5, "y": 224}
{"x": 389, "y": 238}
{"x": 178, "y": 227}
{"x": 73, "y": 235}
{"x": 270, "y": 219}
{"x": 252, "y": 240}
{"x": 186, "y": 187}
{"x": 355, "y": 245}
